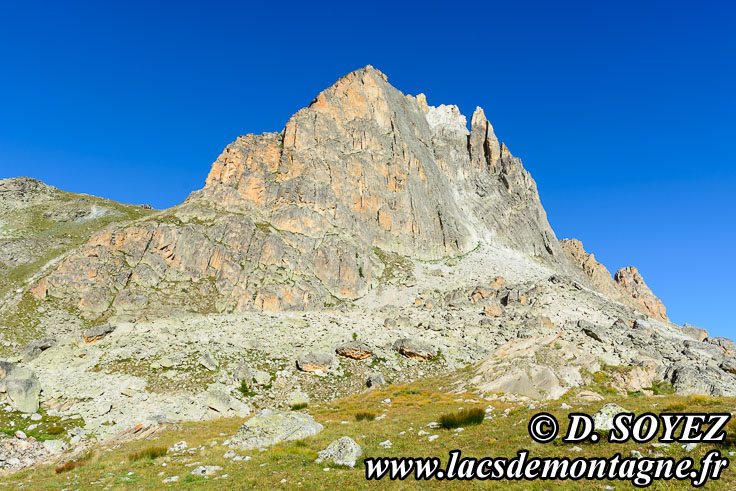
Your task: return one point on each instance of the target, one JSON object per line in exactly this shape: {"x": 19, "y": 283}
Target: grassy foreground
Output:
{"x": 140, "y": 465}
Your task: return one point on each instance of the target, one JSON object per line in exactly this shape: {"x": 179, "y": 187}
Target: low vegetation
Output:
{"x": 405, "y": 421}
{"x": 463, "y": 418}
{"x": 151, "y": 453}
{"x": 365, "y": 416}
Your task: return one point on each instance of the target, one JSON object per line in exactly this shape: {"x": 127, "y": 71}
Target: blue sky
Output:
{"x": 624, "y": 112}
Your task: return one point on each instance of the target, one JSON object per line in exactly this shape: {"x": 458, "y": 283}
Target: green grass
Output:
{"x": 461, "y": 419}
{"x": 661, "y": 388}
{"x": 299, "y": 406}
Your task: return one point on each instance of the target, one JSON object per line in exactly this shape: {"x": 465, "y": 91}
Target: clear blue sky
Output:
{"x": 624, "y": 112}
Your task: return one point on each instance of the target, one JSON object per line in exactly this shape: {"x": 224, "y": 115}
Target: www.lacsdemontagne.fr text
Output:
{"x": 641, "y": 472}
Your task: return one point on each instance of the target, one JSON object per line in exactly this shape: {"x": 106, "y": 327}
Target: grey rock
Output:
{"x": 261, "y": 377}
{"x": 694, "y": 332}
{"x": 242, "y": 373}
{"x": 343, "y": 451}
{"x": 270, "y": 427}
{"x": 315, "y": 362}
{"x": 208, "y": 361}
{"x": 727, "y": 345}
{"x": 55, "y": 446}
{"x": 375, "y": 379}
{"x": 35, "y": 348}
{"x": 206, "y": 470}
{"x": 297, "y": 398}
{"x": 218, "y": 400}
{"x": 23, "y": 390}
{"x": 603, "y": 419}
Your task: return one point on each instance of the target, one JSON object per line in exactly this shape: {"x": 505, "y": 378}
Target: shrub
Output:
{"x": 663, "y": 388}
{"x": 246, "y": 389}
{"x": 365, "y": 416}
{"x": 151, "y": 453}
{"x": 466, "y": 417}
{"x": 299, "y": 406}
{"x": 68, "y": 466}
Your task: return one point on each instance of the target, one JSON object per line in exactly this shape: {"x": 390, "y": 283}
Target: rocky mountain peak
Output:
{"x": 306, "y": 217}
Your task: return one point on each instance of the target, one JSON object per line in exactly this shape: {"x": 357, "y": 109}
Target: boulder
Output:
{"x": 297, "y": 398}
{"x": 242, "y": 373}
{"x": 5, "y": 368}
{"x": 270, "y": 427}
{"x": 603, "y": 419}
{"x": 343, "y": 451}
{"x": 355, "y": 350}
{"x": 694, "y": 332}
{"x": 23, "y": 390}
{"x": 375, "y": 379}
{"x": 35, "y": 348}
{"x": 414, "y": 349}
{"x": 261, "y": 378}
{"x": 97, "y": 333}
{"x": 315, "y": 362}
{"x": 218, "y": 400}
{"x": 208, "y": 361}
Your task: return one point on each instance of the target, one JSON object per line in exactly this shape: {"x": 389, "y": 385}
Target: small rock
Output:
{"x": 207, "y": 361}
{"x": 206, "y": 470}
{"x": 171, "y": 479}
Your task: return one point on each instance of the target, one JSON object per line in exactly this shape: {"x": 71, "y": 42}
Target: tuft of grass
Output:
{"x": 55, "y": 430}
{"x": 675, "y": 407}
{"x": 364, "y": 416}
{"x": 663, "y": 388}
{"x": 466, "y": 417}
{"x": 151, "y": 453}
{"x": 68, "y": 466}
{"x": 299, "y": 406}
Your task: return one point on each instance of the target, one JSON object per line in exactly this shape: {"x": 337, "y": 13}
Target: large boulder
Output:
{"x": 343, "y": 451}
{"x": 414, "y": 349}
{"x": 315, "y": 362}
{"x": 355, "y": 350}
{"x": 23, "y": 390}
{"x": 271, "y": 427}
{"x": 35, "y": 348}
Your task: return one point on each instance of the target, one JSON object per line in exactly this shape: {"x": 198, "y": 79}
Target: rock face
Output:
{"x": 23, "y": 390}
{"x": 271, "y": 427}
{"x": 297, "y": 219}
{"x": 628, "y": 285}
{"x": 631, "y": 282}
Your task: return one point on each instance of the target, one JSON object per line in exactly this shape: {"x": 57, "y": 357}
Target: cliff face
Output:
{"x": 298, "y": 219}
{"x": 626, "y": 286}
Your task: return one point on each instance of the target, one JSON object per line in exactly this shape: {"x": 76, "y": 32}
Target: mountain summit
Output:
{"x": 316, "y": 214}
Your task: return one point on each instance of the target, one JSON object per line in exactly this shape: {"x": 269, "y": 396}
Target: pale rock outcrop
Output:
{"x": 632, "y": 282}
